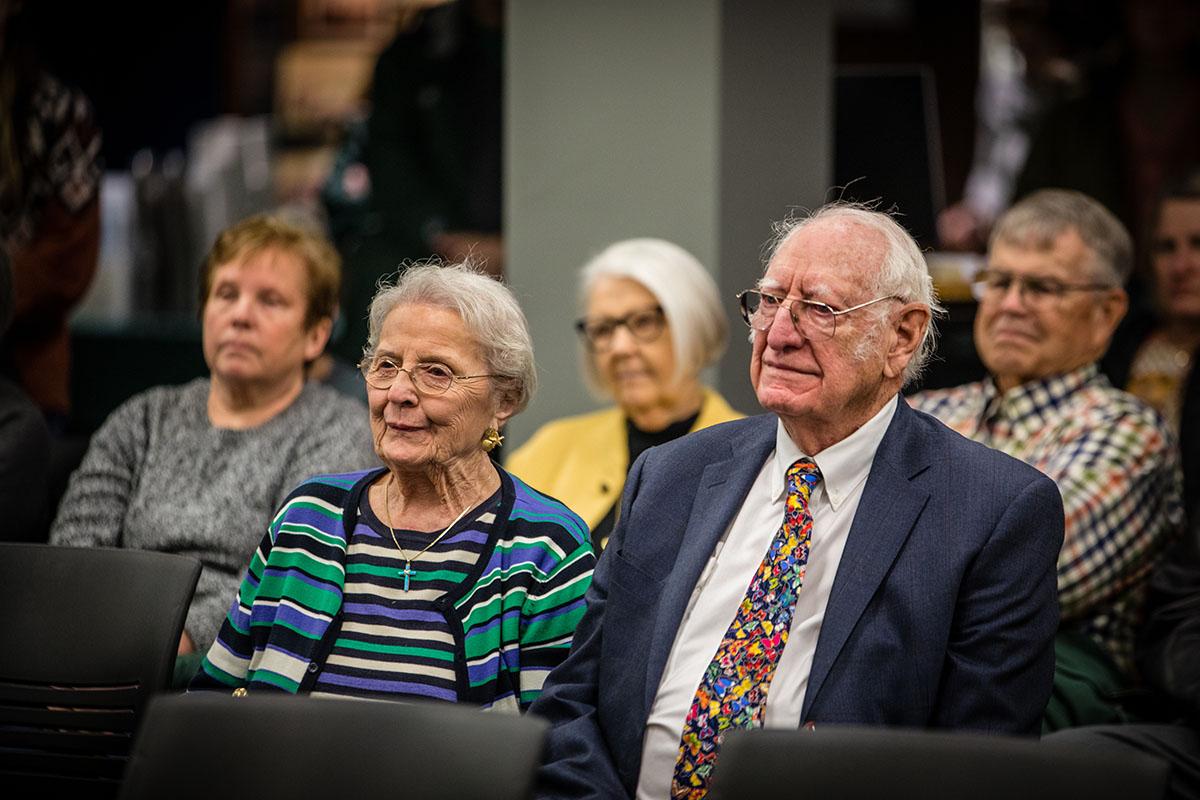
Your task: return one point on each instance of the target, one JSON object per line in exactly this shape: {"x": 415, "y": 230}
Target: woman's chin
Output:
{"x": 639, "y": 393}
{"x": 633, "y": 403}
{"x": 236, "y": 380}
{"x": 244, "y": 376}
{"x": 405, "y": 460}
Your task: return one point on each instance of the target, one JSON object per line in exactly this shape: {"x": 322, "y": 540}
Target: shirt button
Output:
{"x": 312, "y": 667}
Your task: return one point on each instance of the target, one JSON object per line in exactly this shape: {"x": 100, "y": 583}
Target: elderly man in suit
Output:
{"x": 842, "y": 559}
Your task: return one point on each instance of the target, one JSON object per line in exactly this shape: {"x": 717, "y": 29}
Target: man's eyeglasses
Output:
{"x": 645, "y": 326}
{"x": 429, "y": 378}
{"x": 811, "y": 318}
{"x": 994, "y": 284}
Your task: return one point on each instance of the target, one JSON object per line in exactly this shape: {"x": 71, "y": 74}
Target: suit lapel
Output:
{"x": 723, "y": 487}
{"x": 889, "y": 508}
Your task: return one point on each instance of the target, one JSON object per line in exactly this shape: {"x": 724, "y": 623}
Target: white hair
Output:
{"x": 902, "y": 274}
{"x": 488, "y": 309}
{"x": 683, "y": 288}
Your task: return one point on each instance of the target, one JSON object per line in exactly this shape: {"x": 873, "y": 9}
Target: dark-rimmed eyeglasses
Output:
{"x": 645, "y": 326}
{"x": 994, "y": 284}
{"x": 811, "y": 318}
{"x": 429, "y": 378}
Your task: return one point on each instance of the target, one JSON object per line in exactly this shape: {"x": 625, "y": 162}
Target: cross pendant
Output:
{"x": 406, "y": 572}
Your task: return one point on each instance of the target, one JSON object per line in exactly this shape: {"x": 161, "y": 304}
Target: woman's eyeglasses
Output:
{"x": 429, "y": 378}
{"x": 645, "y": 326}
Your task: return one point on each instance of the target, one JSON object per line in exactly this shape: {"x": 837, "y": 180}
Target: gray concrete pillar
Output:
{"x": 698, "y": 121}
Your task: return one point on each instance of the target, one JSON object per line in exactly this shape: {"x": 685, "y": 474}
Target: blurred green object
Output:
{"x": 1088, "y": 687}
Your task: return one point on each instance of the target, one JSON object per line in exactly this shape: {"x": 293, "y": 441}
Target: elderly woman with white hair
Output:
{"x": 652, "y": 320}
{"x": 437, "y": 576}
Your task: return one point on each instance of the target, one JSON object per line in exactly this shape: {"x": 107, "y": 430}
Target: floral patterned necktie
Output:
{"x": 733, "y": 690}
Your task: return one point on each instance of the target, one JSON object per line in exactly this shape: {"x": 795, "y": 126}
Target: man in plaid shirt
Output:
{"x": 1049, "y": 301}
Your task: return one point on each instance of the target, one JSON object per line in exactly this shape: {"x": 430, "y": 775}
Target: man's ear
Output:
{"x": 1107, "y": 315}
{"x": 905, "y": 337}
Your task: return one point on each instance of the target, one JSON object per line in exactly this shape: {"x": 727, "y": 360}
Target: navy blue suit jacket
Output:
{"x": 942, "y": 613}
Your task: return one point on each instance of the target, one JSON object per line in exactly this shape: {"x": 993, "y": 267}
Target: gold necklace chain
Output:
{"x": 406, "y": 573}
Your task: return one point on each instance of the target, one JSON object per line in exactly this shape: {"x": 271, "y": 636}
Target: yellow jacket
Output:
{"x": 582, "y": 460}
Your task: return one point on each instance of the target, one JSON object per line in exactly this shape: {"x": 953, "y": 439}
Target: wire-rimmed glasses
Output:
{"x": 811, "y": 318}
{"x": 429, "y": 378}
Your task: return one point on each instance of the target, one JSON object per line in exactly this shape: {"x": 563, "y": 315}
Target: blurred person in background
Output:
{"x": 1049, "y": 300}
{"x": 197, "y": 469}
{"x": 652, "y": 321}
{"x": 423, "y": 176}
{"x": 1153, "y": 354}
{"x": 437, "y": 576}
{"x": 49, "y": 213}
{"x": 1034, "y": 55}
{"x": 1135, "y": 125}
{"x": 24, "y": 444}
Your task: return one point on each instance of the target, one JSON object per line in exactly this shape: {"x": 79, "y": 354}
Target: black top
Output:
{"x": 24, "y": 467}
{"x": 638, "y": 441}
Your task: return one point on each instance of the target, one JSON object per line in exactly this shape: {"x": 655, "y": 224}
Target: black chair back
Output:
{"x": 860, "y": 763}
{"x": 87, "y": 635}
{"x": 205, "y": 745}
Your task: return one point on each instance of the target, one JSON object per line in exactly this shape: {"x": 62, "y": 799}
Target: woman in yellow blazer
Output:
{"x": 652, "y": 321}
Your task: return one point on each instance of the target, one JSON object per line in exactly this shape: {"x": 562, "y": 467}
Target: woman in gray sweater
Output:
{"x": 198, "y": 469}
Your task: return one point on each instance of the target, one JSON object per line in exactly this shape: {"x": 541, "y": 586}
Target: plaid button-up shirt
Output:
{"x": 1114, "y": 461}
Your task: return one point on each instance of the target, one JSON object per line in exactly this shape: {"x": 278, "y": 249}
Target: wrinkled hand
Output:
{"x": 486, "y": 250}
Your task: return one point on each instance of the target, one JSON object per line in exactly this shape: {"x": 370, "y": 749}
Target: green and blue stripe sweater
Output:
{"x": 511, "y": 619}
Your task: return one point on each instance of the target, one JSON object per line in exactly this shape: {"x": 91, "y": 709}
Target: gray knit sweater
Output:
{"x": 159, "y": 476}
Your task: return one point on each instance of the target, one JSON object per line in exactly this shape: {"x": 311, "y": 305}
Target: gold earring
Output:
{"x": 491, "y": 440}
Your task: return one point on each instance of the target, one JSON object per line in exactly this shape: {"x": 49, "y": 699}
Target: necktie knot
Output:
{"x": 802, "y": 476}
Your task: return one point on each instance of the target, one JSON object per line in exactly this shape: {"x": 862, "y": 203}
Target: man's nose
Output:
{"x": 1012, "y": 298}
{"x": 784, "y": 332}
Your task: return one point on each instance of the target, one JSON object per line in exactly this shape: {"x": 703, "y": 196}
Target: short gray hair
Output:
{"x": 902, "y": 274}
{"x": 681, "y": 285}
{"x": 1039, "y": 219}
{"x": 488, "y": 309}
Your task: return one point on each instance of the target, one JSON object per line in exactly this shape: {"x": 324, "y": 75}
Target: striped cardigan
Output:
{"x": 512, "y": 619}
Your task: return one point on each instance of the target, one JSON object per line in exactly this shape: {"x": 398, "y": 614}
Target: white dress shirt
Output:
{"x": 724, "y": 580}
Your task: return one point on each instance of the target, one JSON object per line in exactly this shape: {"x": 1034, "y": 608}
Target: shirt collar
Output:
{"x": 1034, "y": 404}
{"x": 843, "y": 465}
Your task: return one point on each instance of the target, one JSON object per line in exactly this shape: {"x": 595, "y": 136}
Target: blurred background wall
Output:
{"x": 699, "y": 121}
